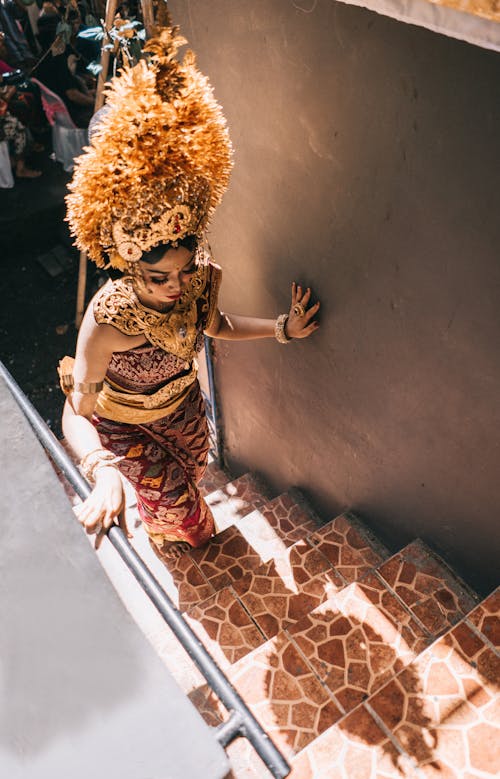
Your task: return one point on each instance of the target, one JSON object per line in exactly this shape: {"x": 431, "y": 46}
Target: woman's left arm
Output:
{"x": 299, "y": 324}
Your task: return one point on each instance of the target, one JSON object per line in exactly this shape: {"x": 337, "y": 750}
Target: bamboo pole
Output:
{"x": 99, "y": 102}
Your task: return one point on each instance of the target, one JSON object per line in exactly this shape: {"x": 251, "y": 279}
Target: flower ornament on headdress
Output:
{"x": 158, "y": 163}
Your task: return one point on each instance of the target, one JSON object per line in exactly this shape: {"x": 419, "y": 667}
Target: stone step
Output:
{"x": 359, "y": 636}
{"x": 270, "y": 595}
{"x": 237, "y": 498}
{"x": 438, "y": 718}
{"x": 424, "y": 583}
{"x": 485, "y": 619}
{"x": 214, "y": 478}
{"x": 358, "y": 640}
{"x": 264, "y": 534}
{"x": 333, "y": 658}
{"x": 281, "y": 591}
{"x": 349, "y": 546}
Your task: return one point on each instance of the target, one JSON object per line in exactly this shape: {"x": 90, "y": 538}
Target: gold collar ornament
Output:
{"x": 158, "y": 162}
{"x": 173, "y": 331}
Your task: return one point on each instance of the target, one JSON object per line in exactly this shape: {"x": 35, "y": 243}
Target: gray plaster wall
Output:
{"x": 366, "y": 166}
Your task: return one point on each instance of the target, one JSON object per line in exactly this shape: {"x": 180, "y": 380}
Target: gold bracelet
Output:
{"x": 279, "y": 329}
{"x": 95, "y": 460}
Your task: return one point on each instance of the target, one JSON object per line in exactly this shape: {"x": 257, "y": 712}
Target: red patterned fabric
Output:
{"x": 164, "y": 461}
{"x": 144, "y": 369}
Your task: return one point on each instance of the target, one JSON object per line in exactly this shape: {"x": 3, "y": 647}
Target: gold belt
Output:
{"x": 134, "y": 408}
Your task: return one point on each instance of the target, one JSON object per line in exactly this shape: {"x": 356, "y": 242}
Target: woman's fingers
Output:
{"x": 306, "y": 297}
{"x": 312, "y": 311}
{"x": 123, "y": 523}
{"x": 309, "y": 330}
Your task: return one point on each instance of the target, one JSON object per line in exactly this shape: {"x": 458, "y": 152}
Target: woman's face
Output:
{"x": 166, "y": 280}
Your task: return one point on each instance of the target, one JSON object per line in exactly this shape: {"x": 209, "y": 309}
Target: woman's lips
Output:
{"x": 174, "y": 297}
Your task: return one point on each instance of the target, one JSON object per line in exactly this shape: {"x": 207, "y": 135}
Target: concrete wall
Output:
{"x": 367, "y": 167}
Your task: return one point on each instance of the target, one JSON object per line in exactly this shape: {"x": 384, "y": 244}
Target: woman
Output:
{"x": 165, "y": 458}
{"x": 141, "y": 198}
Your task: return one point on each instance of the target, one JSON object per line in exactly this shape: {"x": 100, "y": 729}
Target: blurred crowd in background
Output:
{"x": 49, "y": 62}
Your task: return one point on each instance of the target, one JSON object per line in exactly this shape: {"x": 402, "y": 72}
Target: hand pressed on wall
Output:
{"x": 301, "y": 322}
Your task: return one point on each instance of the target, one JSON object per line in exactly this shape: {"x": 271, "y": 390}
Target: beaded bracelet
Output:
{"x": 279, "y": 329}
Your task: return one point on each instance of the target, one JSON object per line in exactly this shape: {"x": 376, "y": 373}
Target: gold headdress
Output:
{"x": 158, "y": 163}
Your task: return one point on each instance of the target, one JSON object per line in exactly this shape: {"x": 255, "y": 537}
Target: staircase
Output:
{"x": 359, "y": 664}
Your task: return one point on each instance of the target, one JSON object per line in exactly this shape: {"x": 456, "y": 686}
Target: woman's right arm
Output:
{"x": 105, "y": 505}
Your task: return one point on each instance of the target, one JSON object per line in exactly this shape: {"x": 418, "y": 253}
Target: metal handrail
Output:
{"x": 241, "y": 721}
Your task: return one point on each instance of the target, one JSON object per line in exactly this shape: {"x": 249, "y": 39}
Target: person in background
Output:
{"x": 14, "y": 132}
{"x": 20, "y": 54}
{"x": 54, "y": 72}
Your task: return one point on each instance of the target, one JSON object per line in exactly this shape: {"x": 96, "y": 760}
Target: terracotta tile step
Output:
{"x": 237, "y": 498}
{"x": 277, "y": 583}
{"x": 303, "y": 679}
{"x": 424, "y": 583}
{"x": 281, "y": 591}
{"x": 282, "y": 691}
{"x": 438, "y": 718}
{"x": 214, "y": 478}
{"x": 225, "y": 627}
{"x": 262, "y": 536}
{"x": 349, "y": 546}
{"x": 358, "y": 639}
{"x": 485, "y": 618}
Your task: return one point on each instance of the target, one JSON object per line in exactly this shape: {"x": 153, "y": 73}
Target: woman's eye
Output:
{"x": 189, "y": 271}
{"x": 159, "y": 281}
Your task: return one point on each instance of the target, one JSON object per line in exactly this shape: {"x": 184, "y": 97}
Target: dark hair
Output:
{"x": 154, "y": 255}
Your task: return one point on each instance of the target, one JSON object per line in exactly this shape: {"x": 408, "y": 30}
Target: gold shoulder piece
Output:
{"x": 117, "y": 305}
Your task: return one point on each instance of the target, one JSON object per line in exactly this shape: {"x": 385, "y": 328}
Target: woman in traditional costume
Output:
{"x": 141, "y": 197}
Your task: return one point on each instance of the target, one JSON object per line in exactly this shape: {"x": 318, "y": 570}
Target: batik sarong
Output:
{"x": 164, "y": 461}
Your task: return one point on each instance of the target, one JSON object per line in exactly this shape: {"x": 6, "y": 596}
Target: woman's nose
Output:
{"x": 175, "y": 282}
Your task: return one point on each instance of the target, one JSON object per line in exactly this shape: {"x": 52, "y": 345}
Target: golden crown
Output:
{"x": 158, "y": 162}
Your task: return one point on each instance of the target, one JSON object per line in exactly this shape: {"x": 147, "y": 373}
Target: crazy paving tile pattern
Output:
{"x": 356, "y": 748}
{"x": 287, "y": 517}
{"x": 486, "y": 618}
{"x": 284, "y": 694}
{"x": 443, "y": 710}
{"x": 236, "y": 499}
{"x": 358, "y": 640}
{"x": 228, "y": 556}
{"x": 214, "y": 478}
{"x": 351, "y": 552}
{"x": 192, "y": 586}
{"x": 225, "y": 628}
{"x": 281, "y": 591}
{"x": 428, "y": 587}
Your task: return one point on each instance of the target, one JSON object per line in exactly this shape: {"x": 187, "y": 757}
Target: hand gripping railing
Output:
{"x": 241, "y": 721}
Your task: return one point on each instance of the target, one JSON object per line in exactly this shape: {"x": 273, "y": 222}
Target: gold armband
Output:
{"x": 68, "y": 384}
